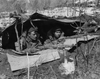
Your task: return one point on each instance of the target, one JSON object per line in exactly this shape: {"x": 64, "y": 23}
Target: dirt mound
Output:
{"x": 5, "y": 70}
{"x": 87, "y": 65}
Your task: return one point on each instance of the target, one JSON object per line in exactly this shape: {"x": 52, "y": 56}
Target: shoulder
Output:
{"x": 47, "y": 41}
{"x": 62, "y": 38}
{"x": 39, "y": 42}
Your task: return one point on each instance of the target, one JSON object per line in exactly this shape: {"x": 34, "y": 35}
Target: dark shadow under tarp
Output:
{"x": 43, "y": 23}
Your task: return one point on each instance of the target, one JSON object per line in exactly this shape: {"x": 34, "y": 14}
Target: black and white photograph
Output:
{"x": 49, "y": 39}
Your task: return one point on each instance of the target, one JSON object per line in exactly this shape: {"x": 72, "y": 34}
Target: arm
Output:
{"x": 34, "y": 48}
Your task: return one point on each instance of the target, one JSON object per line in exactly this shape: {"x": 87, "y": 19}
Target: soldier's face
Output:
{"x": 57, "y": 34}
{"x": 33, "y": 35}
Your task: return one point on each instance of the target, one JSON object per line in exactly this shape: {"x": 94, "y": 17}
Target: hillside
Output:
{"x": 9, "y": 5}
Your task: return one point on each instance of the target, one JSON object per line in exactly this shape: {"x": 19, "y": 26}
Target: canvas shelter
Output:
{"x": 43, "y": 23}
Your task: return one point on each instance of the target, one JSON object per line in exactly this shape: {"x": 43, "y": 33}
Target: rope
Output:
{"x": 28, "y": 74}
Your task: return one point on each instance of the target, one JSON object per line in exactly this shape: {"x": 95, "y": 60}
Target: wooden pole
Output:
{"x": 17, "y": 38}
{"x": 28, "y": 67}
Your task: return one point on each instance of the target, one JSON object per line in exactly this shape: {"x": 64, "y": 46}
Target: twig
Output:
{"x": 32, "y": 23}
{"x": 28, "y": 74}
{"x": 35, "y": 72}
{"x": 92, "y": 46}
{"x": 53, "y": 70}
{"x": 21, "y": 47}
{"x": 87, "y": 51}
{"x": 73, "y": 26}
{"x": 83, "y": 53}
{"x": 77, "y": 52}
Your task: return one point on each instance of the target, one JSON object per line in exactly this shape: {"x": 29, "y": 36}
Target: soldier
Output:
{"x": 55, "y": 37}
{"x": 30, "y": 41}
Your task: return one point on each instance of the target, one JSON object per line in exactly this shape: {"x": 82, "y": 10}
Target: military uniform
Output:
{"x": 29, "y": 42}
{"x": 54, "y": 42}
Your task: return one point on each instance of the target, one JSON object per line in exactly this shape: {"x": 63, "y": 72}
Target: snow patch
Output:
{"x": 67, "y": 67}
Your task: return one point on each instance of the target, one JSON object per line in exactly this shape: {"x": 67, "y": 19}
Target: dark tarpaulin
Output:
{"x": 43, "y": 23}
{"x": 9, "y": 36}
